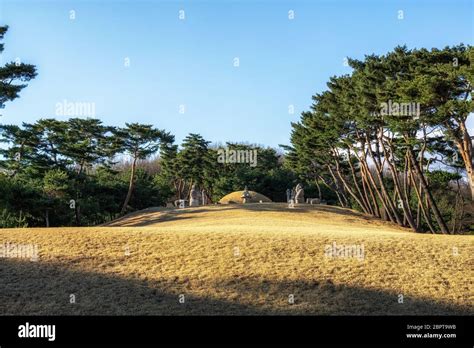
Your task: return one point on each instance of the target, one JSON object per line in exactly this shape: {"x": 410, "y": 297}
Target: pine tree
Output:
{"x": 11, "y": 73}
{"x": 139, "y": 141}
{"x": 194, "y": 160}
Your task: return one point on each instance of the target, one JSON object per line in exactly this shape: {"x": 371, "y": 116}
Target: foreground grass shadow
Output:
{"x": 39, "y": 288}
{"x": 152, "y": 216}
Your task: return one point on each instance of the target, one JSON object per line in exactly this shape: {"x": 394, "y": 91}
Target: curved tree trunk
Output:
{"x": 429, "y": 196}
{"x": 130, "y": 187}
{"x": 464, "y": 143}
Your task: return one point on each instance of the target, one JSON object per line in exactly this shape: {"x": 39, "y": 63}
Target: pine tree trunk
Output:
{"x": 384, "y": 196}
{"x": 420, "y": 205}
{"x": 366, "y": 184}
{"x": 387, "y": 213}
{"x": 407, "y": 215}
{"x": 332, "y": 189}
{"x": 366, "y": 204}
{"x": 471, "y": 180}
{"x": 338, "y": 187}
{"x": 464, "y": 144}
{"x": 348, "y": 188}
{"x": 77, "y": 212}
{"x": 78, "y": 216}
{"x": 470, "y": 175}
{"x": 429, "y": 197}
{"x": 46, "y": 217}
{"x": 130, "y": 186}
{"x": 319, "y": 190}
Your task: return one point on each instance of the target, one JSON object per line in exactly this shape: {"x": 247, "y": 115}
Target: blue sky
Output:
{"x": 190, "y": 62}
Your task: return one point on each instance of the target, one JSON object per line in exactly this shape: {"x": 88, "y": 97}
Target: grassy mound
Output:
{"x": 236, "y": 197}
{"x": 237, "y": 259}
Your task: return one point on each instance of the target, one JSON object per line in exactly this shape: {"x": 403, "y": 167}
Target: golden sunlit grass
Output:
{"x": 237, "y": 259}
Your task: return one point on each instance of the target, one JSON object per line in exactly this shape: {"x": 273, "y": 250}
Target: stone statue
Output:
{"x": 288, "y": 195}
{"x": 246, "y": 195}
{"x": 204, "y": 197}
{"x": 299, "y": 197}
{"x": 194, "y": 197}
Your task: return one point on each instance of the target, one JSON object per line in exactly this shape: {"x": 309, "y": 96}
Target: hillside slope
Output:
{"x": 238, "y": 259}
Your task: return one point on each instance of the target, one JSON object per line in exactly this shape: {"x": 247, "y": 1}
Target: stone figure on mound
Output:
{"x": 246, "y": 195}
{"x": 194, "y": 197}
{"x": 299, "y": 196}
{"x": 288, "y": 195}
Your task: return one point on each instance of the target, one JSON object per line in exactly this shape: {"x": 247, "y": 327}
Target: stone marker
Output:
{"x": 299, "y": 197}
{"x": 288, "y": 195}
{"x": 194, "y": 197}
{"x": 313, "y": 200}
{"x": 291, "y": 204}
{"x": 246, "y": 195}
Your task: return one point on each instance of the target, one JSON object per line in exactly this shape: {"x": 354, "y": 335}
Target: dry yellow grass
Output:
{"x": 237, "y": 259}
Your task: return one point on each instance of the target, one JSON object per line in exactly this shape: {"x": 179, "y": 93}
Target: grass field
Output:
{"x": 236, "y": 259}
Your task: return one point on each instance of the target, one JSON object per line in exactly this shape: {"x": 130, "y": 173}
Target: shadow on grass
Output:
{"x": 39, "y": 288}
{"x": 152, "y": 216}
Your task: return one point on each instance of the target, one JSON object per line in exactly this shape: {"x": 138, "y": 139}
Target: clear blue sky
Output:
{"x": 282, "y": 62}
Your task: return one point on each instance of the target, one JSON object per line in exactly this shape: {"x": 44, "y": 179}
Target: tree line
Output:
{"x": 391, "y": 139}
{"x": 81, "y": 172}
